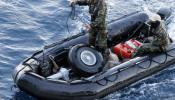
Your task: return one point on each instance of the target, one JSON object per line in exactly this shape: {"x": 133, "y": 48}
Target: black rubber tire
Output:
{"x": 81, "y": 68}
{"x": 164, "y": 13}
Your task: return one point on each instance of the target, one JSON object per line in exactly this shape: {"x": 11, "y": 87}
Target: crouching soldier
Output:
{"x": 160, "y": 38}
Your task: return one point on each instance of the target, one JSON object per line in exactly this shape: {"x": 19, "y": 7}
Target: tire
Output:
{"x": 77, "y": 59}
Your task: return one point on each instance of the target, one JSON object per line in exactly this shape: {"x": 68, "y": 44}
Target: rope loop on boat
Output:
{"x": 151, "y": 60}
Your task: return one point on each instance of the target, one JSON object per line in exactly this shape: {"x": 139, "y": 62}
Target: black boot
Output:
{"x": 105, "y": 54}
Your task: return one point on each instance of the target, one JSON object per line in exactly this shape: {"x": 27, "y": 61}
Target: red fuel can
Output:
{"x": 125, "y": 50}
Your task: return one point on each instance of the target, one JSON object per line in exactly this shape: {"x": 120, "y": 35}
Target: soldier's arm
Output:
{"x": 160, "y": 29}
{"x": 82, "y": 2}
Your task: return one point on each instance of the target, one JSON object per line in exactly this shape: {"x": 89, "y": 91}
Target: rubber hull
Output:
{"x": 99, "y": 85}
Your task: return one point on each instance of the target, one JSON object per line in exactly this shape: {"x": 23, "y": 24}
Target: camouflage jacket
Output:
{"x": 98, "y": 11}
{"x": 161, "y": 37}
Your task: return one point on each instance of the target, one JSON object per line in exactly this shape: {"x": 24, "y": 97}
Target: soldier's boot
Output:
{"x": 105, "y": 54}
{"x": 92, "y": 41}
{"x": 102, "y": 45}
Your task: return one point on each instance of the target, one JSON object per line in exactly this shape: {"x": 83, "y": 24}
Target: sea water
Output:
{"x": 28, "y": 25}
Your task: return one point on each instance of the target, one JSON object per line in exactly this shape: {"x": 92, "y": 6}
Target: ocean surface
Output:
{"x": 28, "y": 25}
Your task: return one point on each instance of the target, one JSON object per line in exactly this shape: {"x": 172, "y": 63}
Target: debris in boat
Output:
{"x": 63, "y": 73}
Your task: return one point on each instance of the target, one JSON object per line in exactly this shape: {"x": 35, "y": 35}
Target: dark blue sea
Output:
{"x": 28, "y": 25}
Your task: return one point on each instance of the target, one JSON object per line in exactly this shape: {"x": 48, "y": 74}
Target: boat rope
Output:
{"x": 135, "y": 31}
{"x": 74, "y": 16}
{"x": 63, "y": 40}
{"x": 97, "y": 79}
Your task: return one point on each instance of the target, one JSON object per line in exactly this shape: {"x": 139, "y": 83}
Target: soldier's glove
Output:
{"x": 72, "y": 3}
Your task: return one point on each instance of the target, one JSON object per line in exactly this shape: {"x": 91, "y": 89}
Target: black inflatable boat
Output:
{"x": 94, "y": 83}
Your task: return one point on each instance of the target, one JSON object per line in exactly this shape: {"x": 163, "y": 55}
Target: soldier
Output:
{"x": 97, "y": 28}
{"x": 160, "y": 39}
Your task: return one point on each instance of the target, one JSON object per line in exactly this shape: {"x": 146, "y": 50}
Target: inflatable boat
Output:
{"x": 80, "y": 68}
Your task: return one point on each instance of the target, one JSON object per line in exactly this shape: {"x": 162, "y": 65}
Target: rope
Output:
{"x": 135, "y": 31}
{"x": 71, "y": 16}
{"x": 74, "y": 16}
{"x": 137, "y": 64}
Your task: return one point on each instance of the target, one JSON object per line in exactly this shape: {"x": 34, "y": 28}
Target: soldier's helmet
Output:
{"x": 155, "y": 17}
{"x": 154, "y": 20}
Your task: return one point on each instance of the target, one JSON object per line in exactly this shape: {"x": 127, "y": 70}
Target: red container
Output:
{"x": 125, "y": 50}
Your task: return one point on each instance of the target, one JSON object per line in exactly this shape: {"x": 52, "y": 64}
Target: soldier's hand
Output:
{"x": 72, "y": 3}
{"x": 87, "y": 26}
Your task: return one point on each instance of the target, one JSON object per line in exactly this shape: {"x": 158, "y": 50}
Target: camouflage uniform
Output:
{"x": 98, "y": 11}
{"x": 159, "y": 42}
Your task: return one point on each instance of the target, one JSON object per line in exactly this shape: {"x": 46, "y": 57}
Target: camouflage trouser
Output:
{"x": 147, "y": 48}
{"x": 98, "y": 38}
